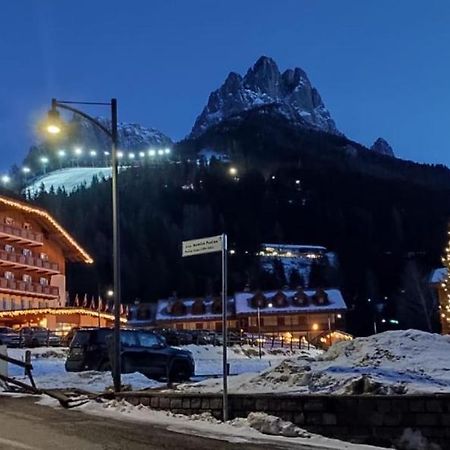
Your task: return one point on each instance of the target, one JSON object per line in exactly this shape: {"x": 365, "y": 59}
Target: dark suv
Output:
{"x": 141, "y": 351}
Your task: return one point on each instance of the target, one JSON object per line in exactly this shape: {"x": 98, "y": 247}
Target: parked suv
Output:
{"x": 9, "y": 337}
{"x": 38, "y": 337}
{"x": 141, "y": 351}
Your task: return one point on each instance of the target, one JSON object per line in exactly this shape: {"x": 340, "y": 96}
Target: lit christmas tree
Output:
{"x": 444, "y": 293}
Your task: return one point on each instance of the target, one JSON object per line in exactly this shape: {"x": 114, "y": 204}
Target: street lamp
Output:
{"x": 54, "y": 127}
{"x": 44, "y": 161}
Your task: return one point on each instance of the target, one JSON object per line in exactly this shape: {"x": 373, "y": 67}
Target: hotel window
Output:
{"x": 26, "y": 252}
{"x": 26, "y": 278}
{"x": 43, "y": 281}
{"x": 9, "y": 221}
{"x": 9, "y": 248}
{"x": 253, "y": 321}
{"x": 26, "y": 226}
{"x": 199, "y": 326}
{"x": 179, "y": 326}
{"x": 9, "y": 275}
{"x": 43, "y": 256}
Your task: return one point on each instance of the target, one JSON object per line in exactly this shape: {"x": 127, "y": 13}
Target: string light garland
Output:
{"x": 444, "y": 300}
{"x": 58, "y": 312}
{"x": 47, "y": 217}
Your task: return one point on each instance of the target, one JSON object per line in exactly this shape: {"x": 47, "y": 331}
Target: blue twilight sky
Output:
{"x": 382, "y": 67}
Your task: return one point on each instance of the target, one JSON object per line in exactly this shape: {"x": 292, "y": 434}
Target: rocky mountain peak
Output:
{"x": 263, "y": 84}
{"x": 382, "y": 146}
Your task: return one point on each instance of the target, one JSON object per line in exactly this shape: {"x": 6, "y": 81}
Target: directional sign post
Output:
{"x": 211, "y": 245}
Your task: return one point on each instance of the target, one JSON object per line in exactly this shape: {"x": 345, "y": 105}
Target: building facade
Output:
{"x": 34, "y": 249}
{"x": 296, "y": 313}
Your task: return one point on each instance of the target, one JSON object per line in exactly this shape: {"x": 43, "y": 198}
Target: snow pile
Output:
{"x": 414, "y": 440}
{"x": 275, "y": 426}
{"x": 394, "y": 362}
{"x": 258, "y": 428}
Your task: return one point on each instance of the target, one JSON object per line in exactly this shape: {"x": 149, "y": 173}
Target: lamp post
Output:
{"x": 54, "y": 127}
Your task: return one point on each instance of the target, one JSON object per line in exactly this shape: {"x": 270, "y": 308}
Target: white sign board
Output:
{"x": 205, "y": 245}
{"x": 3, "y": 364}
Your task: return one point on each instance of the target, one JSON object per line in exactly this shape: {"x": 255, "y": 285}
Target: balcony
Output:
{"x": 30, "y": 263}
{"x": 18, "y": 235}
{"x": 19, "y": 287}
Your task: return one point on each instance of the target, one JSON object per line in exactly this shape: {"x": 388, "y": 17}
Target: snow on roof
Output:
{"x": 336, "y": 302}
{"x": 163, "y": 314}
{"x": 438, "y": 275}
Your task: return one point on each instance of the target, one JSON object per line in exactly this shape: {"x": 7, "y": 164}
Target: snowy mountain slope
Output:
{"x": 132, "y": 136}
{"x": 68, "y": 179}
{"x": 291, "y": 92}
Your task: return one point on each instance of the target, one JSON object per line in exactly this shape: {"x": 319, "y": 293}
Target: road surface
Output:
{"x": 25, "y": 425}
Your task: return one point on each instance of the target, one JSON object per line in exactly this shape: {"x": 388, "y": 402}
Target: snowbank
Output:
{"x": 401, "y": 362}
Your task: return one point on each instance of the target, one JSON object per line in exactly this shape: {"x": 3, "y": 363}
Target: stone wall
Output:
{"x": 366, "y": 418}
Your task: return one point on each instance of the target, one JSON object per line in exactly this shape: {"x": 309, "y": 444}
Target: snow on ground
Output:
{"x": 257, "y": 428}
{"x": 68, "y": 179}
{"x": 394, "y": 362}
{"x": 49, "y": 371}
{"x": 400, "y": 362}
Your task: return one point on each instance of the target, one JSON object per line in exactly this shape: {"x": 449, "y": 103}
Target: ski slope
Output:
{"x": 68, "y": 179}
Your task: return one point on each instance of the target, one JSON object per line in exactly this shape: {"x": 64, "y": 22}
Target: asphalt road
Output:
{"x": 24, "y": 425}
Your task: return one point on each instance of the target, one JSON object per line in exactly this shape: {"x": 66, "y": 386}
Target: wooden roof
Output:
{"x": 71, "y": 249}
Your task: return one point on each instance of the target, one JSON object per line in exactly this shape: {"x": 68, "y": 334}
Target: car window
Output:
{"x": 128, "y": 339}
{"x": 80, "y": 339}
{"x": 148, "y": 340}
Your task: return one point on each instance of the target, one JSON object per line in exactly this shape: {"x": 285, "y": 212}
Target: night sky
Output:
{"x": 382, "y": 67}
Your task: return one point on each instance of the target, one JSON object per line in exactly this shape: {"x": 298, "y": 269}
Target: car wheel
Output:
{"x": 179, "y": 372}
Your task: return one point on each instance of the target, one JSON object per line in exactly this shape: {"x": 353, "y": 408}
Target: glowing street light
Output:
{"x": 160, "y": 152}
{"x": 93, "y": 153}
{"x": 44, "y": 161}
{"x": 61, "y": 153}
{"x": 78, "y": 151}
{"x": 151, "y": 152}
{"x": 120, "y": 154}
{"x": 142, "y": 154}
{"x": 131, "y": 155}
{"x": 167, "y": 151}
{"x": 54, "y": 122}
{"x": 6, "y": 179}
{"x": 110, "y": 293}
{"x": 26, "y": 169}
{"x": 233, "y": 171}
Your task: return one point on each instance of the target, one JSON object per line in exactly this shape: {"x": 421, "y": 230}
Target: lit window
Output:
{"x": 26, "y": 252}
{"x": 43, "y": 281}
{"x": 9, "y": 221}
{"x": 27, "y": 226}
{"x": 9, "y": 275}
{"x": 9, "y": 248}
{"x": 43, "y": 256}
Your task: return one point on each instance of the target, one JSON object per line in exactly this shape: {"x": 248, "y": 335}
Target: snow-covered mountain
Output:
{"x": 382, "y": 146}
{"x": 290, "y": 92}
{"x": 132, "y": 136}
